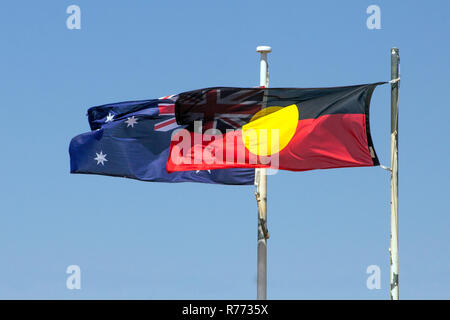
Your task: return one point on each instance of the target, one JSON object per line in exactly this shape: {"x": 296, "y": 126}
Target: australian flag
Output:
{"x": 132, "y": 139}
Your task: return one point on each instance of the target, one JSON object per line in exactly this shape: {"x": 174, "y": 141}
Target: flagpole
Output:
{"x": 395, "y": 65}
{"x": 261, "y": 194}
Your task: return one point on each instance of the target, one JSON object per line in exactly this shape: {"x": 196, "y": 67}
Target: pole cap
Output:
{"x": 263, "y": 49}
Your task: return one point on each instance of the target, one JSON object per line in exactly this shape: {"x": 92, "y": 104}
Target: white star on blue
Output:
{"x": 100, "y": 158}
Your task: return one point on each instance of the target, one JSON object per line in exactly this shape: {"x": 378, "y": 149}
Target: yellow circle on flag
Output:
{"x": 270, "y": 130}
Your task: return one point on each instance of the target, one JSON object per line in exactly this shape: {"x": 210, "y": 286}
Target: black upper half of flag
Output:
{"x": 241, "y": 104}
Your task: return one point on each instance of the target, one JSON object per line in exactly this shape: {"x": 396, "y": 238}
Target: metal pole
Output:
{"x": 261, "y": 194}
{"x": 395, "y": 64}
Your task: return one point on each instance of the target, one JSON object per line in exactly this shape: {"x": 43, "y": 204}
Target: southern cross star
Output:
{"x": 131, "y": 122}
{"x": 109, "y": 117}
{"x": 100, "y": 158}
{"x": 197, "y": 171}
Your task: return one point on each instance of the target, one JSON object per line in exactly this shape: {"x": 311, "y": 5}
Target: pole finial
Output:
{"x": 263, "y": 49}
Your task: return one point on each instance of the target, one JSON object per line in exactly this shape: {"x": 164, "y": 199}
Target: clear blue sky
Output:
{"x": 143, "y": 240}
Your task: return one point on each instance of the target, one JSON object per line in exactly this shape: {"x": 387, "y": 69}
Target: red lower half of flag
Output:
{"x": 329, "y": 141}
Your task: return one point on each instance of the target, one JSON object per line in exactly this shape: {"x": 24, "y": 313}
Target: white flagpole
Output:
{"x": 261, "y": 194}
{"x": 395, "y": 75}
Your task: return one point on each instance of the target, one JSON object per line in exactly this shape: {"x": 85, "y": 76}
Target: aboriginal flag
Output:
{"x": 284, "y": 128}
